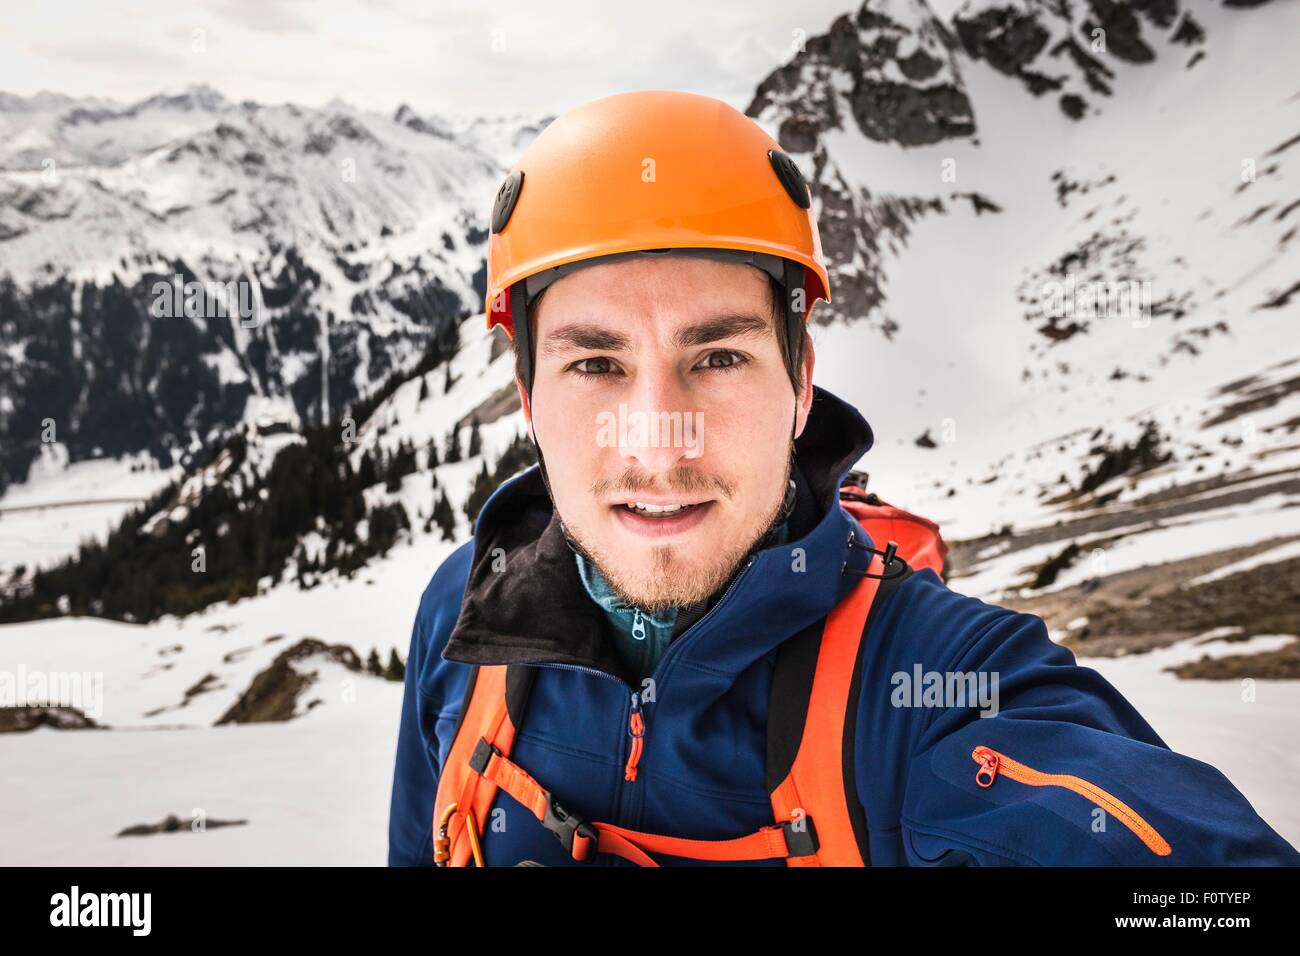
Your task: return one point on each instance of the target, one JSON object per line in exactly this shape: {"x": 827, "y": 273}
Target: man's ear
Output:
{"x": 526, "y": 404}
{"x": 806, "y": 393}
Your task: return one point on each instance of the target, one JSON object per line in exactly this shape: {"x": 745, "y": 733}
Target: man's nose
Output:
{"x": 661, "y": 423}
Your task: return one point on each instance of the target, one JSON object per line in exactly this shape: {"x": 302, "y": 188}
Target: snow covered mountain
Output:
{"x": 1046, "y": 309}
{"x": 331, "y": 246}
{"x": 1041, "y": 269}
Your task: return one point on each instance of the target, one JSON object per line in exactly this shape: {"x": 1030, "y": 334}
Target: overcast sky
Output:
{"x": 447, "y": 56}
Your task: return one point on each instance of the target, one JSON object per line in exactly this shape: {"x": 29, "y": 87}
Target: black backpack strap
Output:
{"x": 465, "y": 698}
{"x": 787, "y": 712}
{"x": 519, "y": 688}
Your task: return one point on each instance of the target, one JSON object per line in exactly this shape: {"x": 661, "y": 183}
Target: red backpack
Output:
{"x": 818, "y": 820}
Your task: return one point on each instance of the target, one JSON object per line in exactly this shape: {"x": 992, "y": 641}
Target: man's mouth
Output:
{"x": 655, "y": 511}
{"x": 656, "y": 519}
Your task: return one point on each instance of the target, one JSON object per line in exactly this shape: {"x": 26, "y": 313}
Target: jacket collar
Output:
{"x": 524, "y": 600}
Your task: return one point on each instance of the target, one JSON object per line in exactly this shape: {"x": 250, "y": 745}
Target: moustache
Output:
{"x": 684, "y": 481}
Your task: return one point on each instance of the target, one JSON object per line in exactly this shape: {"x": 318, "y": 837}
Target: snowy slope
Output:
{"x": 150, "y": 667}
{"x": 46, "y": 518}
{"x": 163, "y": 686}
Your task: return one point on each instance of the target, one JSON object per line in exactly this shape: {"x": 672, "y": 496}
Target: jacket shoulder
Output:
{"x": 439, "y": 609}
{"x": 925, "y": 621}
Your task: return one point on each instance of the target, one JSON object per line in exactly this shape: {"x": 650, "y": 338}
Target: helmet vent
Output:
{"x": 786, "y": 171}
{"x": 507, "y": 196}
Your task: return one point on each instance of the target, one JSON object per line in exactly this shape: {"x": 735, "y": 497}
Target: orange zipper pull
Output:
{"x": 635, "y": 730}
{"x": 988, "y": 770}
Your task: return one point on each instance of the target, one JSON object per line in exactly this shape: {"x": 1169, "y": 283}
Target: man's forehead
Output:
{"x": 661, "y": 275}
{"x": 618, "y": 306}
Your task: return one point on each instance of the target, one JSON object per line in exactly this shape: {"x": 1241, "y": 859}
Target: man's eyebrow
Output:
{"x": 725, "y": 326}
{"x": 579, "y": 336}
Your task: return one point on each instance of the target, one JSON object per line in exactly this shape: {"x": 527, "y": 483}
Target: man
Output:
{"x": 656, "y": 650}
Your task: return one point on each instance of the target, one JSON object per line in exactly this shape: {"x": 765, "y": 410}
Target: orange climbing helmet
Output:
{"x": 656, "y": 170}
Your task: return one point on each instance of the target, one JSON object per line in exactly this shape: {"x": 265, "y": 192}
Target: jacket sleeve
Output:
{"x": 415, "y": 775}
{"x": 431, "y": 704}
{"x": 1081, "y": 778}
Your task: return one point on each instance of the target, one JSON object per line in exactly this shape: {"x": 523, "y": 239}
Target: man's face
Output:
{"x": 661, "y": 383}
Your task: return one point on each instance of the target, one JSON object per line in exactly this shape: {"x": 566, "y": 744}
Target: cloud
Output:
{"x": 270, "y": 16}
{"x": 446, "y": 56}
{"x": 119, "y": 53}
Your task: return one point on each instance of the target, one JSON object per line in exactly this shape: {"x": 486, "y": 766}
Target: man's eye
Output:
{"x": 723, "y": 360}
{"x": 600, "y": 366}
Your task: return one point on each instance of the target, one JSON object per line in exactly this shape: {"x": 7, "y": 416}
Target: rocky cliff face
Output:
{"x": 890, "y": 73}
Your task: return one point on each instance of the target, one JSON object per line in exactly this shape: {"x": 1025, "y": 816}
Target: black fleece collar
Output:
{"x": 524, "y": 601}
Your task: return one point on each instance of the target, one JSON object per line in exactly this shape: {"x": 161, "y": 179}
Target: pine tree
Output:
{"x": 366, "y": 473}
{"x": 483, "y": 487}
{"x": 401, "y": 464}
{"x": 372, "y": 663}
{"x": 396, "y": 670}
{"x": 445, "y": 517}
{"x": 519, "y": 455}
{"x": 475, "y": 440}
{"x": 453, "y": 447}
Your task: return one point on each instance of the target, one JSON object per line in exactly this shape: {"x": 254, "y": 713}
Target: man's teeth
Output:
{"x": 646, "y": 509}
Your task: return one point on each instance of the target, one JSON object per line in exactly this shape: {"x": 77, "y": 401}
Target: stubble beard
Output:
{"x": 671, "y": 582}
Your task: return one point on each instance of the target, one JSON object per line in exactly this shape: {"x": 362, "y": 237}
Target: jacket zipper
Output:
{"x": 636, "y": 727}
{"x": 636, "y": 718}
{"x": 993, "y": 762}
{"x": 635, "y": 730}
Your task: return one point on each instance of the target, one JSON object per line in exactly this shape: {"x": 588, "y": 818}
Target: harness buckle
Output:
{"x": 564, "y": 825}
{"x": 482, "y": 755}
{"x": 802, "y": 841}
